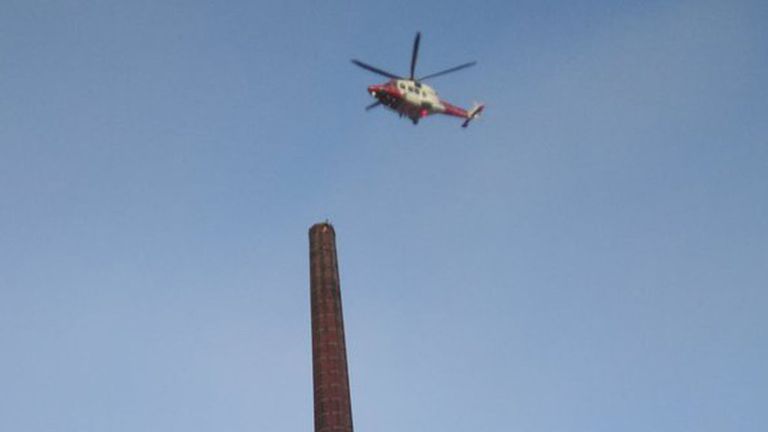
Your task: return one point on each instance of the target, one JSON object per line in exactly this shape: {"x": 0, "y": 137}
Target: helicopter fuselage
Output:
{"x": 413, "y": 99}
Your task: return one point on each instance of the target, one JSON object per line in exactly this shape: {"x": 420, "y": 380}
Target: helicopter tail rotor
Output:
{"x": 474, "y": 112}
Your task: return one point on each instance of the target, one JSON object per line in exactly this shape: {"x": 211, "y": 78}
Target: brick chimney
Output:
{"x": 333, "y": 410}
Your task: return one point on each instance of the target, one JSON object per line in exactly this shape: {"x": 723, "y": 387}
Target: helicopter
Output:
{"x": 412, "y": 98}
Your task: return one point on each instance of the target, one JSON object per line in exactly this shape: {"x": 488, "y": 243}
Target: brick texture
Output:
{"x": 333, "y": 411}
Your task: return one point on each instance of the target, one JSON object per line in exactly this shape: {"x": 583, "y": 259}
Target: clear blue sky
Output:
{"x": 591, "y": 255}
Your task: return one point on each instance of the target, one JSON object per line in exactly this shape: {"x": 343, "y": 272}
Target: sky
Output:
{"x": 590, "y": 255}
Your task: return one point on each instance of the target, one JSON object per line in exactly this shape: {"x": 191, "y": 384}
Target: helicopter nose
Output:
{"x": 373, "y": 89}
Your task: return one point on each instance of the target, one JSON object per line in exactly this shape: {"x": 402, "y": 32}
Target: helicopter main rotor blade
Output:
{"x": 375, "y": 70}
{"x": 373, "y": 105}
{"x": 447, "y": 71}
{"x": 415, "y": 54}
